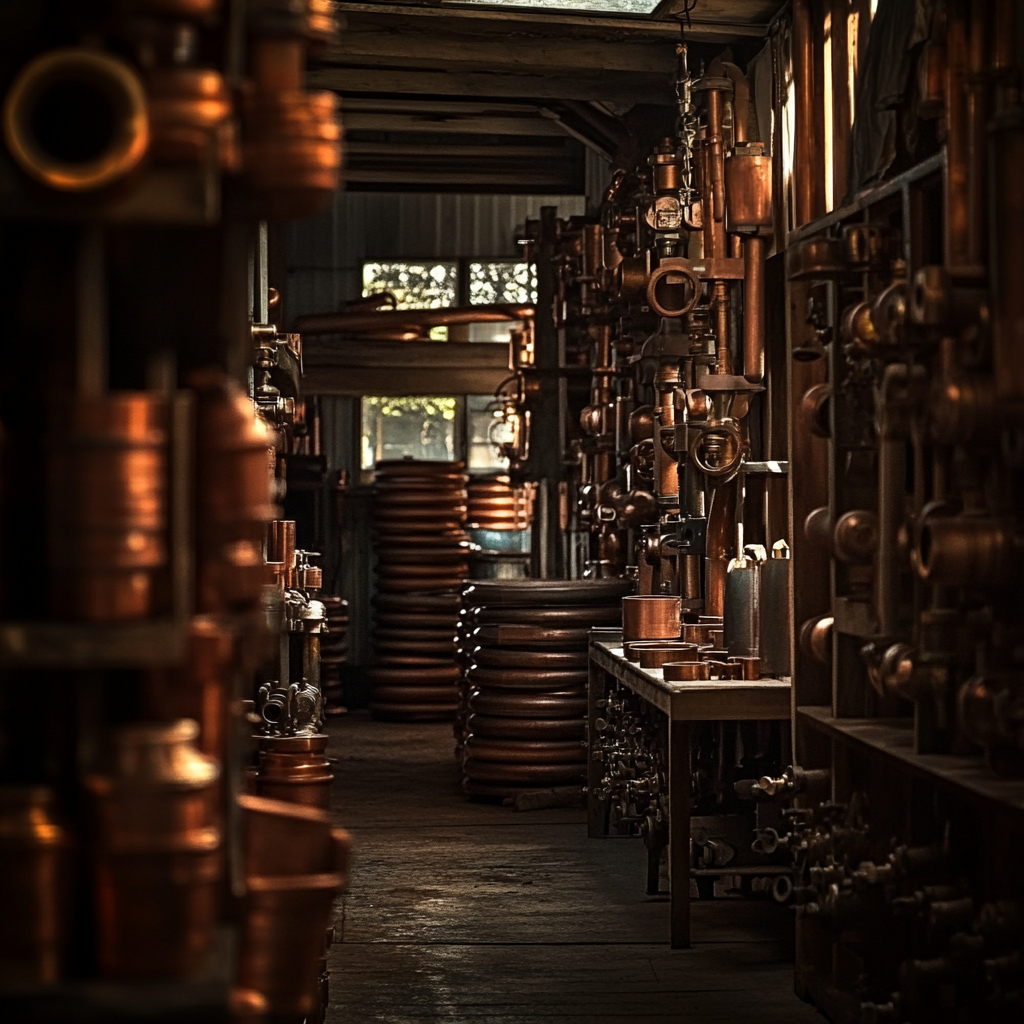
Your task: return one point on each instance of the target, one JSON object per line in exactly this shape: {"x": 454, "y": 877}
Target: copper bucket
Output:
{"x": 651, "y": 617}
{"x": 295, "y": 769}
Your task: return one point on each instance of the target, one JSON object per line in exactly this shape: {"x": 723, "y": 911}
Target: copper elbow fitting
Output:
{"x": 673, "y": 289}
{"x": 75, "y": 120}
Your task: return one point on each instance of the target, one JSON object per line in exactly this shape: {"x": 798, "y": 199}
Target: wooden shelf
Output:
{"x": 894, "y": 738}
{"x": 146, "y": 644}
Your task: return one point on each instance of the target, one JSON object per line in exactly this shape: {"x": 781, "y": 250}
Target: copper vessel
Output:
{"x": 295, "y": 769}
{"x": 655, "y": 655}
{"x": 108, "y": 506}
{"x": 686, "y": 671}
{"x": 157, "y": 857}
{"x": 33, "y": 885}
{"x": 651, "y": 617}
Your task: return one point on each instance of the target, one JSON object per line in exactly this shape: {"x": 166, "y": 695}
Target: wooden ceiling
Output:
{"x": 438, "y": 97}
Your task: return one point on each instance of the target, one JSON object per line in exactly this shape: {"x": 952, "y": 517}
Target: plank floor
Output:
{"x": 469, "y": 913}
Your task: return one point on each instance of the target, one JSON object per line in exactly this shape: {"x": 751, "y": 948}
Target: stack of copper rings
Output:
{"x": 334, "y": 653}
{"x": 494, "y": 504}
{"x": 422, "y": 559}
{"x": 524, "y": 686}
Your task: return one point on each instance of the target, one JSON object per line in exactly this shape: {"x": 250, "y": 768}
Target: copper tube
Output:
{"x": 740, "y": 102}
{"x": 715, "y": 211}
{"x": 720, "y": 540}
{"x": 753, "y": 309}
{"x": 957, "y": 178}
{"x": 651, "y": 617}
{"x": 808, "y": 167}
{"x": 396, "y": 319}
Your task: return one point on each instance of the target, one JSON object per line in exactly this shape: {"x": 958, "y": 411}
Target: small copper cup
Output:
{"x": 750, "y": 667}
{"x": 697, "y": 633}
{"x": 685, "y": 671}
{"x": 655, "y": 655}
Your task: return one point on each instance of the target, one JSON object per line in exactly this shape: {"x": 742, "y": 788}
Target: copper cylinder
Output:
{"x": 748, "y": 193}
{"x": 158, "y": 852}
{"x": 721, "y": 526}
{"x": 108, "y": 506}
{"x": 295, "y": 769}
{"x": 753, "y": 309}
{"x": 963, "y": 551}
{"x": 654, "y": 655}
{"x": 34, "y": 890}
{"x": 808, "y": 158}
{"x": 651, "y": 617}
{"x": 750, "y": 667}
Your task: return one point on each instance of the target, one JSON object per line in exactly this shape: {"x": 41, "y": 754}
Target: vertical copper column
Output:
{"x": 958, "y": 240}
{"x": 714, "y": 212}
{"x": 721, "y": 531}
{"x": 753, "y": 308}
{"x": 978, "y": 113}
{"x": 808, "y": 164}
{"x": 720, "y": 303}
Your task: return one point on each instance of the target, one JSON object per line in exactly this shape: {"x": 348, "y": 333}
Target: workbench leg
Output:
{"x": 680, "y": 783}
{"x": 597, "y": 689}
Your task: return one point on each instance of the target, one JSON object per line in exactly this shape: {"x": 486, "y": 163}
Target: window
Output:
{"x": 414, "y": 285}
{"x": 420, "y": 427}
{"x": 482, "y": 455}
{"x": 502, "y": 281}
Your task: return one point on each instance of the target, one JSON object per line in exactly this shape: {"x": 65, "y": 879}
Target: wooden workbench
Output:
{"x": 684, "y": 704}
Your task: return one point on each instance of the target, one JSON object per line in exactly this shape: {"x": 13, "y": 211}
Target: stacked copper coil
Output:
{"x": 108, "y": 507}
{"x": 334, "y": 653}
{"x": 494, "y": 504}
{"x": 422, "y": 559}
{"x": 523, "y": 647}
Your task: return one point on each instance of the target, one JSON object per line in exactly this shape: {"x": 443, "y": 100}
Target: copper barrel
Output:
{"x": 295, "y": 769}
{"x": 33, "y": 885}
{"x": 157, "y": 856}
{"x": 523, "y": 655}
{"x": 649, "y": 617}
{"x": 108, "y": 506}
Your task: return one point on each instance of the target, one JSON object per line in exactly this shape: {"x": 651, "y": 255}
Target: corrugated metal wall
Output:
{"x": 324, "y": 255}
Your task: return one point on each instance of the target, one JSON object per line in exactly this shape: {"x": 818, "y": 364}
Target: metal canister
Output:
{"x": 775, "y": 621}
{"x": 33, "y": 873}
{"x": 743, "y": 607}
{"x": 157, "y": 857}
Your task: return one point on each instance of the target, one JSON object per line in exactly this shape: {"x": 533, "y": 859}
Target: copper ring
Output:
{"x": 425, "y": 647}
{"x": 531, "y": 752}
{"x": 383, "y": 660}
{"x": 517, "y": 636}
{"x": 530, "y": 593}
{"x": 510, "y": 657}
{"x": 425, "y": 602}
{"x": 428, "y": 584}
{"x": 540, "y": 705}
{"x": 403, "y": 620}
{"x": 413, "y": 694}
{"x": 388, "y": 570}
{"x": 413, "y": 675}
{"x": 420, "y": 496}
{"x": 527, "y": 728}
{"x": 420, "y": 541}
{"x": 654, "y": 656}
{"x": 539, "y": 774}
{"x": 413, "y": 712}
{"x": 457, "y": 553}
{"x": 685, "y": 671}
{"x": 526, "y": 679}
{"x": 582, "y": 618}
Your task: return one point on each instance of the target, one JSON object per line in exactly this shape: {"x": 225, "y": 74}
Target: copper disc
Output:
{"x": 413, "y": 712}
{"x": 409, "y": 620}
{"x": 536, "y": 774}
{"x": 418, "y": 466}
{"x": 579, "y": 618}
{"x": 511, "y": 657}
{"x": 402, "y": 538}
{"x": 383, "y": 660}
{"x": 425, "y": 602}
{"x": 391, "y": 570}
{"x": 424, "y": 583}
{"x": 519, "y": 636}
{"x": 526, "y": 752}
{"x": 385, "y": 636}
{"x": 526, "y": 679}
{"x": 457, "y": 554}
{"x": 426, "y": 496}
{"x": 527, "y": 728}
{"x": 538, "y": 705}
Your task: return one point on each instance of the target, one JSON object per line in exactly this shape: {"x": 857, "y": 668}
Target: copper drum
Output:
{"x": 748, "y": 194}
{"x": 749, "y": 667}
{"x": 295, "y": 769}
{"x": 108, "y": 506}
{"x": 33, "y": 880}
{"x": 655, "y": 655}
{"x": 651, "y": 617}
{"x": 685, "y": 671}
{"x": 158, "y": 855}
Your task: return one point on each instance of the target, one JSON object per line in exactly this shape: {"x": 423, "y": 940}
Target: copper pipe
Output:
{"x": 957, "y": 199}
{"x": 978, "y": 112}
{"x": 806, "y": 157}
{"x": 715, "y": 212}
{"x": 720, "y": 302}
{"x": 721, "y": 532}
{"x": 753, "y": 309}
{"x": 740, "y": 102}
{"x": 399, "y": 319}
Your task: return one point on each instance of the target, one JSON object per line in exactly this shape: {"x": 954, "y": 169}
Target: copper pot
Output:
{"x": 295, "y": 769}
{"x": 33, "y": 883}
{"x": 649, "y": 617}
{"x": 157, "y": 851}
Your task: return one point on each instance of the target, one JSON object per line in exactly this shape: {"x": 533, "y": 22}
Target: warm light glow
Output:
{"x": 852, "y": 24}
{"x": 789, "y": 140}
{"x": 829, "y": 98}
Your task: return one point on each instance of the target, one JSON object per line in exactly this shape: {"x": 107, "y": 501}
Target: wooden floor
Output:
{"x": 469, "y": 913}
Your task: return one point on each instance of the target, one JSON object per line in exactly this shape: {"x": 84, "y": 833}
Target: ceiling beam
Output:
{"x": 620, "y": 89}
{"x": 449, "y": 124}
